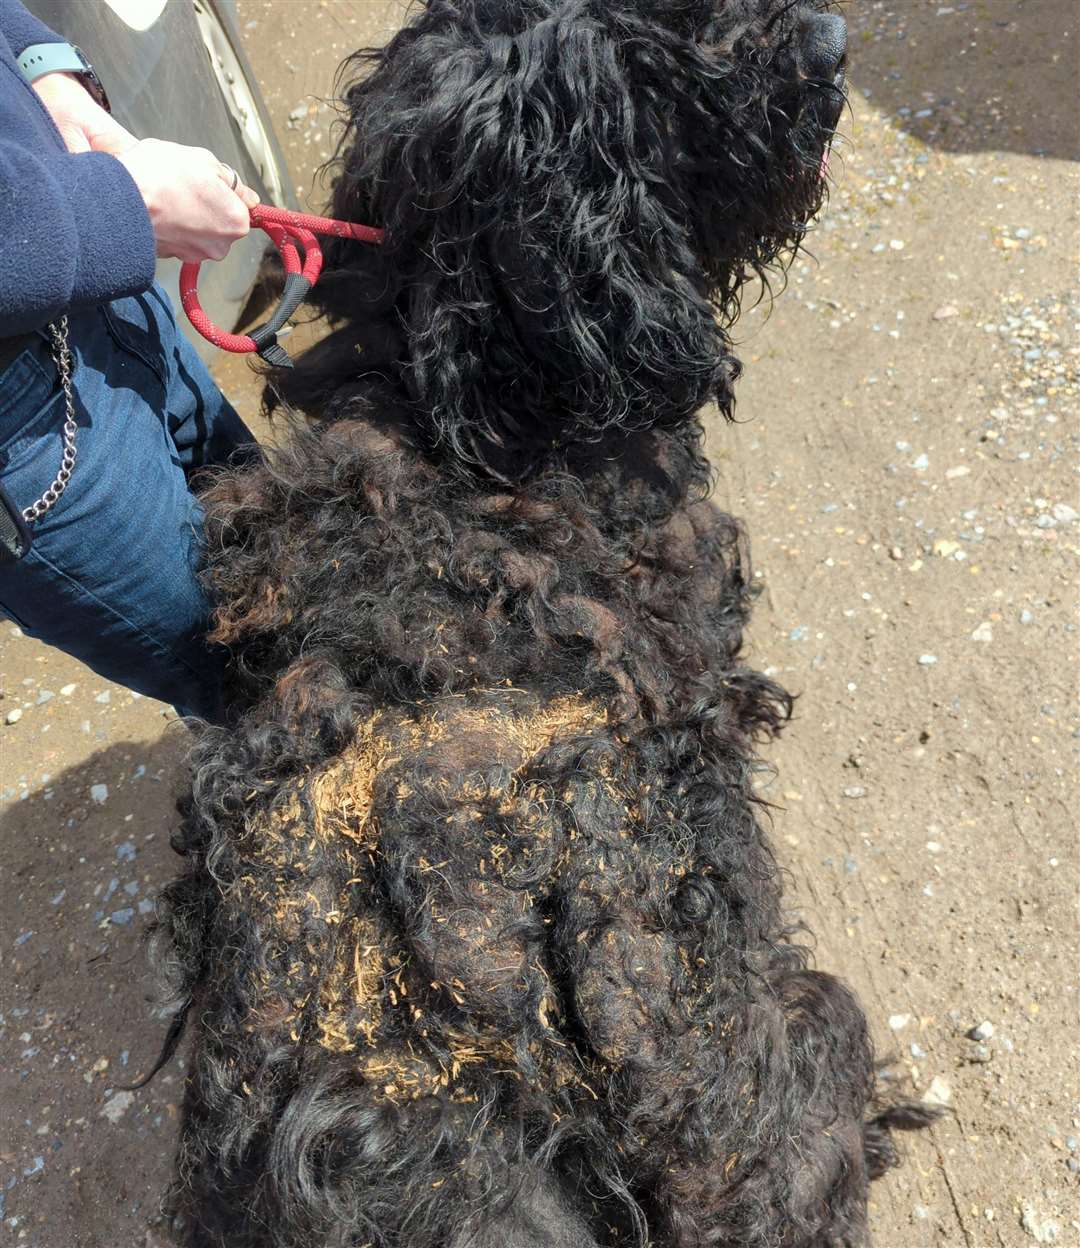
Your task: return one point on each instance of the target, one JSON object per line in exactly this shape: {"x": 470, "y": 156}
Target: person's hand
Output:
{"x": 83, "y": 124}
{"x": 195, "y": 213}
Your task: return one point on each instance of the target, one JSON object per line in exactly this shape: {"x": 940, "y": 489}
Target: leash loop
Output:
{"x": 290, "y": 232}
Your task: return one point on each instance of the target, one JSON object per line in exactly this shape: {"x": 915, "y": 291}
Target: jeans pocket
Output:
{"x": 142, "y": 326}
{"x": 29, "y": 388}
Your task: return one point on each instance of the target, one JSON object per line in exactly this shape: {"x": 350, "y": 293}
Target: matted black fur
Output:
{"x": 480, "y": 937}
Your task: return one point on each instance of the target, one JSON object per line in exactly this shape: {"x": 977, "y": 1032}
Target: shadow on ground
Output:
{"x": 82, "y": 1162}
{"x": 966, "y": 77}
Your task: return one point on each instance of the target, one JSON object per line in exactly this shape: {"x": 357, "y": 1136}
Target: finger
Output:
{"x": 228, "y": 175}
{"x": 232, "y": 179}
{"x": 235, "y": 218}
{"x": 225, "y": 210}
{"x": 250, "y": 197}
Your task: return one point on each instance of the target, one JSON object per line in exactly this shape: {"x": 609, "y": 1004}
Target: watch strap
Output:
{"x": 50, "y": 58}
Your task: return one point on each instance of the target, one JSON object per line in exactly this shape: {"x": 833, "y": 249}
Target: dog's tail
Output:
{"x": 878, "y": 1144}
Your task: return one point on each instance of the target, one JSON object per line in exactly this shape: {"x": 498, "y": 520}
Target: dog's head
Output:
{"x": 573, "y": 193}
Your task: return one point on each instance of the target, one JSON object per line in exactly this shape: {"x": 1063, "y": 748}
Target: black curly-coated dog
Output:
{"x": 480, "y": 937}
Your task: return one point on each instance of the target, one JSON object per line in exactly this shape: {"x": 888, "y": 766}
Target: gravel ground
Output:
{"x": 906, "y": 464}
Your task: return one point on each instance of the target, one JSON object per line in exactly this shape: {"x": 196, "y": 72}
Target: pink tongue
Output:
{"x": 825, "y": 163}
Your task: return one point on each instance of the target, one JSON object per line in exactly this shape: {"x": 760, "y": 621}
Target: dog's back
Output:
{"x": 504, "y": 973}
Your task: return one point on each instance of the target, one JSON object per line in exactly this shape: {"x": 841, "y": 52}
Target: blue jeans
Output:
{"x": 111, "y": 577}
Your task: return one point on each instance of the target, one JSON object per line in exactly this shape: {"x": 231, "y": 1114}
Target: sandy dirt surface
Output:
{"x": 906, "y": 464}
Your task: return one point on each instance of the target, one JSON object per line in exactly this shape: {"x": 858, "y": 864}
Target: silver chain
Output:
{"x": 61, "y": 354}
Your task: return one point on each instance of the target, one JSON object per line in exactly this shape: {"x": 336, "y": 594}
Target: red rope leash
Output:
{"x": 286, "y": 230}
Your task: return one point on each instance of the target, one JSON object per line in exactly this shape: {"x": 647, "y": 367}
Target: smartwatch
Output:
{"x": 50, "y": 58}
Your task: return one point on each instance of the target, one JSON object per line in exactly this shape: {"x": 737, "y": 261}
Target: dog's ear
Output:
{"x": 545, "y": 280}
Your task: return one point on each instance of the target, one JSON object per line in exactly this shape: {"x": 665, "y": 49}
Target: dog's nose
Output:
{"x": 823, "y": 46}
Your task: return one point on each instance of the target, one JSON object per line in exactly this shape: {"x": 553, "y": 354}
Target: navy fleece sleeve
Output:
{"x": 21, "y": 28}
{"x": 74, "y": 231}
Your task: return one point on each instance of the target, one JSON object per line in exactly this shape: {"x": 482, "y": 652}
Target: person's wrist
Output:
{"x": 40, "y": 60}
{"x": 61, "y": 83}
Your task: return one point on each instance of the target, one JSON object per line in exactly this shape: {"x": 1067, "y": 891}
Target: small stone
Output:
{"x": 117, "y": 1105}
{"x": 896, "y": 554}
{"x": 22, "y": 938}
{"x": 945, "y": 312}
{"x": 945, "y": 548}
{"x": 104, "y": 698}
{"x": 99, "y": 793}
{"x": 46, "y": 695}
{"x": 985, "y": 632}
{"x": 126, "y": 852}
{"x": 897, "y": 1022}
{"x": 1026, "y": 617}
{"x": 917, "y": 1051}
{"x": 980, "y": 1054}
{"x": 961, "y": 470}
{"x": 854, "y": 790}
{"x": 1042, "y": 1230}
{"x": 927, "y": 660}
{"x": 122, "y": 917}
{"x": 13, "y": 716}
{"x": 799, "y": 634}
{"x": 896, "y": 244}
{"x": 67, "y": 690}
{"x": 146, "y": 906}
{"x": 984, "y": 1031}
{"x": 938, "y": 1093}
{"x": 921, "y": 462}
{"x": 1064, "y": 514}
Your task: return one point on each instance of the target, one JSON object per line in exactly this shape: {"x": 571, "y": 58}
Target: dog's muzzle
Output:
{"x": 823, "y": 48}
{"x": 822, "y": 59}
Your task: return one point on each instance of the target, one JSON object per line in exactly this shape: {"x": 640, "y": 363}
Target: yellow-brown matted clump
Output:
{"x": 511, "y": 730}
{"x": 382, "y": 989}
